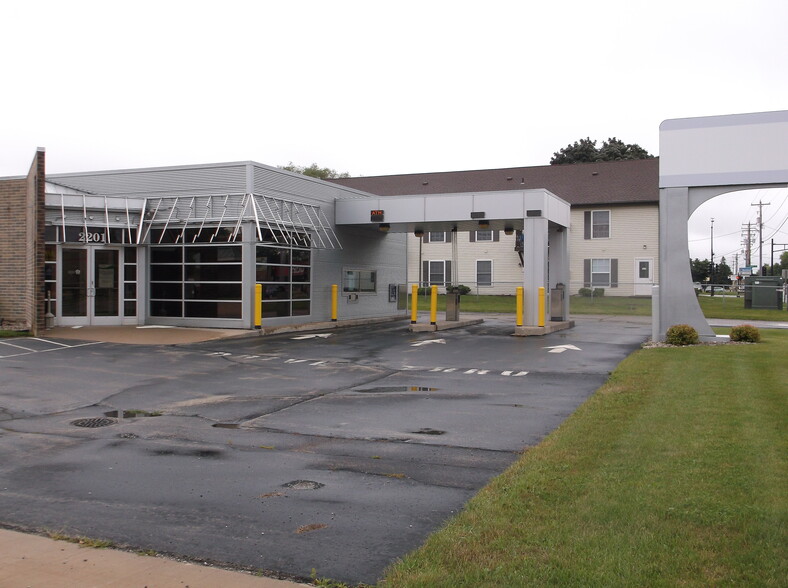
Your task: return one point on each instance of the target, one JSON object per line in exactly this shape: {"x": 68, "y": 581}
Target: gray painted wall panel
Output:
{"x": 160, "y": 182}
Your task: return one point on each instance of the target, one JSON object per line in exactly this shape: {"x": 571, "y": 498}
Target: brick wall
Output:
{"x": 22, "y": 249}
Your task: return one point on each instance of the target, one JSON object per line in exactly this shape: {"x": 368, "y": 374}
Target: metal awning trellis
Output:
{"x": 90, "y": 211}
{"x": 283, "y": 221}
{"x": 276, "y": 219}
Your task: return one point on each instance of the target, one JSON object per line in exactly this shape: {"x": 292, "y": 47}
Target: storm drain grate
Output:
{"x": 94, "y": 422}
{"x": 303, "y": 485}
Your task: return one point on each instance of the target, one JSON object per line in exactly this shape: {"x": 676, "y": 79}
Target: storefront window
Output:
{"x": 284, "y": 271}
{"x": 195, "y": 280}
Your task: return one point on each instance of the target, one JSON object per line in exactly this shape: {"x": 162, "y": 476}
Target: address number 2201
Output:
{"x": 92, "y": 237}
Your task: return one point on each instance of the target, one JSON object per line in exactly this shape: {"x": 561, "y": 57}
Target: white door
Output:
{"x": 644, "y": 277}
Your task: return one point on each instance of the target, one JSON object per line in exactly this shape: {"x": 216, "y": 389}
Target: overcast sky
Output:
{"x": 375, "y": 88}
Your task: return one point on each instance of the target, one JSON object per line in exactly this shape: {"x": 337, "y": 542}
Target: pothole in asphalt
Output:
{"x": 128, "y": 436}
{"x": 384, "y": 389}
{"x": 131, "y": 414}
{"x": 226, "y": 425}
{"x": 303, "y": 485}
{"x": 181, "y": 452}
{"x": 428, "y": 431}
{"x": 95, "y": 422}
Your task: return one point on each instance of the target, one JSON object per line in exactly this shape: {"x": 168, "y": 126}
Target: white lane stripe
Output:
{"x": 53, "y": 349}
{"x": 507, "y": 373}
{"x": 471, "y": 371}
{"x": 17, "y": 346}
{"x": 50, "y": 341}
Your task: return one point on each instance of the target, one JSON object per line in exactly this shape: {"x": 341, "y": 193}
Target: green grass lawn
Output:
{"x": 673, "y": 473}
{"x": 724, "y": 307}
{"x": 4, "y": 333}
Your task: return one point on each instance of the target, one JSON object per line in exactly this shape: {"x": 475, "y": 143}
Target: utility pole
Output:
{"x": 711, "y": 269}
{"x": 747, "y": 242}
{"x": 760, "y": 206}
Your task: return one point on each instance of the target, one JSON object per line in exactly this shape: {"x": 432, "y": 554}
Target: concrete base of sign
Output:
{"x": 547, "y": 329}
{"x": 443, "y": 325}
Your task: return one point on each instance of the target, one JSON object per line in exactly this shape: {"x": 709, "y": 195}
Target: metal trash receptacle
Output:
{"x": 452, "y": 306}
{"x": 557, "y": 303}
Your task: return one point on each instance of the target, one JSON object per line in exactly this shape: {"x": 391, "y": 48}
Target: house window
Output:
{"x": 437, "y": 275}
{"x": 600, "y": 273}
{"x": 600, "y": 224}
{"x": 436, "y": 237}
{"x": 436, "y": 272}
{"x": 487, "y": 235}
{"x": 597, "y": 224}
{"x": 360, "y": 281}
{"x": 484, "y": 272}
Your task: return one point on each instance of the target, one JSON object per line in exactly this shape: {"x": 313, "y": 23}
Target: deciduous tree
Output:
{"x": 585, "y": 151}
{"x": 315, "y": 171}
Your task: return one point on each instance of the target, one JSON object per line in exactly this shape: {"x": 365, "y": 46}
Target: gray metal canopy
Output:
{"x": 541, "y": 215}
{"x": 459, "y": 211}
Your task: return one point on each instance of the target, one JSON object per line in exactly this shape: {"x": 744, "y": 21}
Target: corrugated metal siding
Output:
{"x": 207, "y": 179}
{"x": 160, "y": 182}
{"x": 283, "y": 184}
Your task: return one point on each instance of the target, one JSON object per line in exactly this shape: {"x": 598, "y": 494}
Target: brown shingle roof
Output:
{"x": 580, "y": 184}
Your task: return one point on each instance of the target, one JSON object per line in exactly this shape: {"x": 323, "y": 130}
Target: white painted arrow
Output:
{"x": 561, "y": 348}
{"x": 420, "y": 343}
{"x": 321, "y": 335}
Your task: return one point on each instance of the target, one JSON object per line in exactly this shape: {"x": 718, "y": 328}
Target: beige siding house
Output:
{"x": 614, "y": 234}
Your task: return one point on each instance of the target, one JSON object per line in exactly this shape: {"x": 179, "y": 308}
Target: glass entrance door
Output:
{"x": 90, "y": 281}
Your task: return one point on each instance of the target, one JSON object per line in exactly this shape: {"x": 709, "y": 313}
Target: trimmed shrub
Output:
{"x": 681, "y": 335}
{"x": 586, "y": 292}
{"x": 746, "y": 333}
{"x": 599, "y": 292}
{"x": 460, "y": 289}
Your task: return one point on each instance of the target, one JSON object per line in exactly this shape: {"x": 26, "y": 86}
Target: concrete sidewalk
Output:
{"x": 34, "y": 561}
{"x": 143, "y": 335}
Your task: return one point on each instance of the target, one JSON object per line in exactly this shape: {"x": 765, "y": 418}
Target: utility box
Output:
{"x": 557, "y": 303}
{"x": 763, "y": 292}
{"x": 452, "y": 306}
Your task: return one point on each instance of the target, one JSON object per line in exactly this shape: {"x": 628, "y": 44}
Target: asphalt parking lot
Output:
{"x": 336, "y": 451}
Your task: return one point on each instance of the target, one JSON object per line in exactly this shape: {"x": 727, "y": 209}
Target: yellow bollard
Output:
{"x": 334, "y": 294}
{"x": 541, "y": 306}
{"x": 414, "y": 304}
{"x": 519, "y": 322}
{"x": 258, "y": 306}
{"x": 434, "y": 306}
